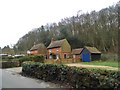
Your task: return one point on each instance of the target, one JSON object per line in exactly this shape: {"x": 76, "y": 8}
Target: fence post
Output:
{"x": 60, "y": 61}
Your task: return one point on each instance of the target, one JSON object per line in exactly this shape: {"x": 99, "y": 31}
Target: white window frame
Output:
{"x": 50, "y": 50}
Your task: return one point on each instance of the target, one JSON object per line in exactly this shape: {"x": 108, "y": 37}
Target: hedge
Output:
{"x": 15, "y": 62}
{"x": 9, "y": 64}
{"x": 31, "y": 58}
{"x": 75, "y": 77}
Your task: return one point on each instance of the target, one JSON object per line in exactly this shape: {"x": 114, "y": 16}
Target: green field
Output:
{"x": 103, "y": 63}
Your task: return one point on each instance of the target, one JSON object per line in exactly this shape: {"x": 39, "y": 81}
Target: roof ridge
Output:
{"x": 77, "y": 48}
{"x": 56, "y": 43}
{"x": 92, "y": 49}
{"x": 36, "y": 46}
{"x": 60, "y": 40}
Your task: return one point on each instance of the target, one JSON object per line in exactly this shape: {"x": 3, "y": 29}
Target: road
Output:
{"x": 12, "y": 79}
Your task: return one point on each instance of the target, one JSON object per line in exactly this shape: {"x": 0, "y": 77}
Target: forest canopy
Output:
{"x": 97, "y": 28}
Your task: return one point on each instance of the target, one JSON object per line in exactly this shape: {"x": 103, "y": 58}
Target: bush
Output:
{"x": 31, "y": 58}
{"x": 111, "y": 57}
{"x": 38, "y": 59}
{"x": 76, "y": 77}
{"x": 9, "y": 64}
{"x": 23, "y": 59}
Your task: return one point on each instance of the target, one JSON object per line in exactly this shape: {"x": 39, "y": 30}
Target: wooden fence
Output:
{"x": 60, "y": 61}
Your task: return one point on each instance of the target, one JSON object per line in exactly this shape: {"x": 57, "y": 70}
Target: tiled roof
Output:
{"x": 55, "y": 44}
{"x": 77, "y": 51}
{"x": 92, "y": 49}
{"x": 40, "y": 46}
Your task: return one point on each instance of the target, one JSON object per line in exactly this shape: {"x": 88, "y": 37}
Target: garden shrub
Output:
{"x": 38, "y": 58}
{"x": 31, "y": 58}
{"x": 9, "y": 64}
{"x": 23, "y": 59}
{"x": 109, "y": 57}
{"x": 74, "y": 76}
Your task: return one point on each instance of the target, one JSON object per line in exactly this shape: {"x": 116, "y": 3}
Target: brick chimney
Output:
{"x": 52, "y": 40}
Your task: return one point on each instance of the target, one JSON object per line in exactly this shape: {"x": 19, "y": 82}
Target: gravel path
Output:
{"x": 92, "y": 66}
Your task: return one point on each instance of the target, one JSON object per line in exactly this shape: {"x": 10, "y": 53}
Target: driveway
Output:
{"x": 93, "y": 66}
{"x": 11, "y": 79}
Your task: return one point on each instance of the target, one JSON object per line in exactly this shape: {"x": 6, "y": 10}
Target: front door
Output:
{"x": 86, "y": 57}
{"x": 57, "y": 56}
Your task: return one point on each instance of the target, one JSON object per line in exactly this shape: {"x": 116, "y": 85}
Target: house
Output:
{"x": 90, "y": 54}
{"x": 59, "y": 49}
{"x": 38, "y": 49}
{"x": 76, "y": 53}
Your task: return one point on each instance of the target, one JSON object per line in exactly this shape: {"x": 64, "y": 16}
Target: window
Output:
{"x": 73, "y": 56}
{"x": 65, "y": 56}
{"x": 57, "y": 49}
{"x": 50, "y": 50}
{"x": 50, "y": 57}
{"x": 57, "y": 56}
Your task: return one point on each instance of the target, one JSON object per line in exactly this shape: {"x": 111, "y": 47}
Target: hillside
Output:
{"x": 97, "y": 29}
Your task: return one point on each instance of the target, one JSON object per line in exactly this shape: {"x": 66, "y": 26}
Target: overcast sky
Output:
{"x": 18, "y": 17}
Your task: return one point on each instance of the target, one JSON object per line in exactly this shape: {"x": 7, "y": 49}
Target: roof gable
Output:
{"x": 77, "y": 51}
{"x": 40, "y": 46}
{"x": 55, "y": 44}
{"x": 92, "y": 49}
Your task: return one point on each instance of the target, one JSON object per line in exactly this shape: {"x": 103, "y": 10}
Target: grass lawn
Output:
{"x": 102, "y": 63}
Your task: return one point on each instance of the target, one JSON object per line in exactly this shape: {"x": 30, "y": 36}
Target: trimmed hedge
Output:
{"x": 31, "y": 58}
{"x": 38, "y": 59}
{"x": 9, "y": 64}
{"x": 15, "y": 62}
{"x": 75, "y": 77}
